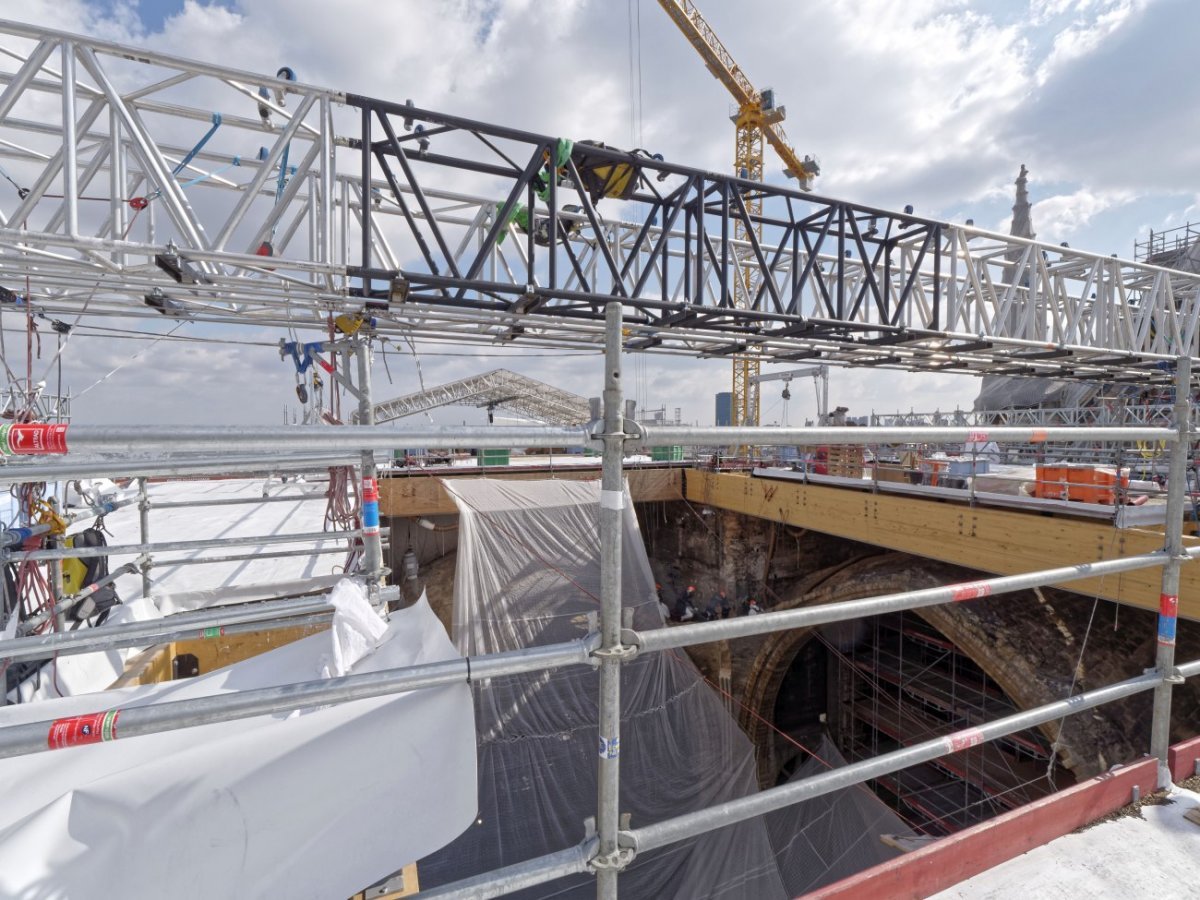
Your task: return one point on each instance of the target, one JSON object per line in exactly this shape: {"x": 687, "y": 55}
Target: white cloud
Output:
{"x": 1061, "y": 217}
{"x": 1094, "y": 22}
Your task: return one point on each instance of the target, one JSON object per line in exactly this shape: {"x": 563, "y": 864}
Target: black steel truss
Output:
{"x": 835, "y": 280}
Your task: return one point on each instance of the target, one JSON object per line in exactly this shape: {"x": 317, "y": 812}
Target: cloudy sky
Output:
{"x": 936, "y": 103}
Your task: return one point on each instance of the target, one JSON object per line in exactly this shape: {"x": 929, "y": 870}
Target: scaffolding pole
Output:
{"x": 694, "y": 435}
{"x": 32, "y": 737}
{"x": 18, "y": 473}
{"x": 1160, "y": 728}
{"x": 670, "y": 831}
{"x": 66, "y": 604}
{"x": 527, "y": 873}
{"x": 114, "y": 439}
{"x": 210, "y": 544}
{"x": 144, "y": 533}
{"x": 234, "y": 501}
{"x": 133, "y": 634}
{"x": 373, "y": 568}
{"x": 279, "y": 554}
{"x": 552, "y": 866}
{"x": 121, "y": 439}
{"x": 608, "y": 859}
{"x": 744, "y": 626}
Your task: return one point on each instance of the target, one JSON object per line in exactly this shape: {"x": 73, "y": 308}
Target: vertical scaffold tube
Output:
{"x": 372, "y": 545}
{"x": 56, "y": 588}
{"x": 144, "y": 534}
{"x": 612, "y": 499}
{"x": 1168, "y": 612}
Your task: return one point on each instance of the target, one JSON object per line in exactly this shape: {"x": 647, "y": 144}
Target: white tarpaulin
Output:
{"x": 318, "y": 804}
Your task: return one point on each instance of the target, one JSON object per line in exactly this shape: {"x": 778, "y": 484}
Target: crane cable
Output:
{"x": 634, "y": 18}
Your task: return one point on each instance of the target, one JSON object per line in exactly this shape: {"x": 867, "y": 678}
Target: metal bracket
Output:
{"x": 346, "y": 383}
{"x": 631, "y": 641}
{"x": 1172, "y": 675}
{"x": 614, "y": 861}
{"x": 621, "y": 652}
{"x": 627, "y": 839}
{"x": 630, "y": 431}
{"x": 626, "y": 847}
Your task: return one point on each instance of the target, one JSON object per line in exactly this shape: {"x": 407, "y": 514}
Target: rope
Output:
{"x": 420, "y": 375}
{"x": 22, "y": 192}
{"x": 343, "y": 509}
{"x": 1082, "y": 649}
{"x": 139, "y": 353}
{"x": 140, "y": 203}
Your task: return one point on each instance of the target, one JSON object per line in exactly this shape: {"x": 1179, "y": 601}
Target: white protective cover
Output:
{"x": 318, "y": 804}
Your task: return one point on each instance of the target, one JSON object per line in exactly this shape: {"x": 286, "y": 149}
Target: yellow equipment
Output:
{"x": 757, "y": 119}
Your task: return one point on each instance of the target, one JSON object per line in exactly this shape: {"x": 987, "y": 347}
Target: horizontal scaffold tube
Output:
{"x": 136, "y": 634}
{"x": 236, "y": 501}
{"x": 689, "y": 435}
{"x": 209, "y": 544}
{"x": 68, "y": 603}
{"x": 669, "y": 831}
{"x": 34, "y": 737}
{"x": 1190, "y": 670}
{"x": 18, "y": 473}
{"x": 242, "y": 557}
{"x": 101, "y": 439}
{"x": 744, "y": 626}
{"x": 198, "y": 439}
{"x": 528, "y": 873}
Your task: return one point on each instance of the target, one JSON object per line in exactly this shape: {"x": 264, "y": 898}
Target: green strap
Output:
{"x": 519, "y": 214}
{"x": 562, "y": 152}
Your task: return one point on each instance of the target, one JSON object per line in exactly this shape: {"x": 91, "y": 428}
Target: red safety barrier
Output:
{"x": 946, "y": 862}
{"x": 1181, "y": 759}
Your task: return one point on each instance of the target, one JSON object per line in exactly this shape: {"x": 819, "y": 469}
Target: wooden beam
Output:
{"x": 999, "y": 541}
{"x": 423, "y": 494}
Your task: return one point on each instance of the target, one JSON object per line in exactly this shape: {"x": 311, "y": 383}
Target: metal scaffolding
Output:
{"x": 311, "y": 225}
{"x": 498, "y": 389}
{"x": 614, "y": 846}
{"x": 835, "y": 282}
{"x": 904, "y": 683}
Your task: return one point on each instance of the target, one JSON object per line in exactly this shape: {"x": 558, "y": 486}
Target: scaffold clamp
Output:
{"x": 621, "y": 652}
{"x": 616, "y": 861}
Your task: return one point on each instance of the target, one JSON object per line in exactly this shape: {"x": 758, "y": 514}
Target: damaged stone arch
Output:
{"x": 1028, "y": 643}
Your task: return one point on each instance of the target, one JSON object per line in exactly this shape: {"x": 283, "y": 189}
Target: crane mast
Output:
{"x": 757, "y": 120}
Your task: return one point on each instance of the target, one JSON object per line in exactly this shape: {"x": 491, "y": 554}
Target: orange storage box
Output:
{"x": 1052, "y": 482}
{"x": 1095, "y": 484}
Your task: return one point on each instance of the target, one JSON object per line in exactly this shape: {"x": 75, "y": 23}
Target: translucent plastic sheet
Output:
{"x": 828, "y": 838}
{"x": 529, "y": 574}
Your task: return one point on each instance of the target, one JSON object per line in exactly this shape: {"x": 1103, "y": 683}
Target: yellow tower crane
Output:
{"x": 757, "y": 119}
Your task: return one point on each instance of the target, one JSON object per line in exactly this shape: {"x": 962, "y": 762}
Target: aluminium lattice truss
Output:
{"x": 499, "y": 388}
{"x": 1104, "y": 413}
{"x": 119, "y": 206}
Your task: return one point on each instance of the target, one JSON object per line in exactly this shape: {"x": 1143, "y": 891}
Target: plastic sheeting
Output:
{"x": 317, "y": 804}
{"x": 529, "y": 574}
{"x": 1007, "y": 392}
{"x": 828, "y": 838}
{"x": 356, "y": 628}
